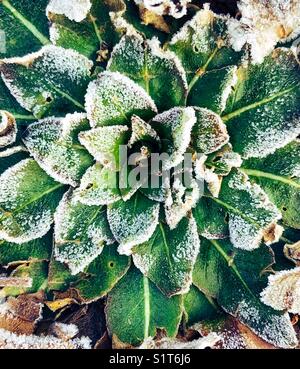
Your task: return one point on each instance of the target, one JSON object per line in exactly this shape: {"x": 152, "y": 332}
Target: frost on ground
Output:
{"x": 10, "y": 340}
{"x": 263, "y": 24}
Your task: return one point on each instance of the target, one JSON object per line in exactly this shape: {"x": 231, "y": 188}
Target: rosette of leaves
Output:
{"x": 165, "y": 257}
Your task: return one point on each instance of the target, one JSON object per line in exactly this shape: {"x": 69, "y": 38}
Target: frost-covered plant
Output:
{"x": 159, "y": 257}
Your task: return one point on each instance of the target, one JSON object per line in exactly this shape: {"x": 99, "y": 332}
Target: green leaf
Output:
{"x": 53, "y": 142}
{"x": 211, "y": 219}
{"x": 113, "y": 98}
{"x": 202, "y": 45}
{"x": 159, "y": 72}
{"x": 223, "y": 160}
{"x": 36, "y": 270}
{"x": 39, "y": 249}
{"x": 59, "y": 276}
{"x": 99, "y": 186}
{"x": 168, "y": 257}
{"x": 103, "y": 143}
{"x": 91, "y": 31}
{"x": 174, "y": 127}
{"x": 25, "y": 26}
{"x": 95, "y": 281}
{"x": 9, "y": 103}
{"x": 51, "y": 81}
{"x": 263, "y": 113}
{"x": 133, "y": 222}
{"x": 252, "y": 216}
{"x": 235, "y": 278}
{"x": 209, "y": 132}
{"x": 213, "y": 89}
{"x": 28, "y": 199}
{"x": 279, "y": 175}
{"x": 136, "y": 308}
{"x": 81, "y": 232}
{"x": 198, "y": 307}
{"x": 102, "y": 275}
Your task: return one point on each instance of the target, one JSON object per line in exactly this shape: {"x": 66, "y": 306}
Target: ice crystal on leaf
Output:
{"x": 282, "y": 292}
{"x": 113, "y": 98}
{"x": 75, "y": 10}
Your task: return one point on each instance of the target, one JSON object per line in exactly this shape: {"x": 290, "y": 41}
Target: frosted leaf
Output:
{"x": 168, "y": 257}
{"x": 173, "y": 343}
{"x": 283, "y": 291}
{"x": 265, "y": 116}
{"x": 213, "y": 180}
{"x": 113, "y": 98}
{"x": 141, "y": 131}
{"x": 49, "y": 81}
{"x": 81, "y": 232}
{"x": 292, "y": 252}
{"x": 277, "y": 331}
{"x": 209, "y": 132}
{"x": 278, "y": 175}
{"x": 180, "y": 201}
{"x": 8, "y": 129}
{"x": 263, "y": 24}
{"x": 174, "y": 8}
{"x": 28, "y": 199}
{"x": 174, "y": 128}
{"x": 54, "y": 145}
{"x": 233, "y": 334}
{"x": 9, "y": 340}
{"x": 213, "y": 88}
{"x": 103, "y": 143}
{"x": 157, "y": 70}
{"x": 224, "y": 160}
{"x": 99, "y": 186}
{"x": 202, "y": 46}
{"x": 64, "y": 331}
{"x": 76, "y": 10}
{"x": 133, "y": 222}
{"x": 252, "y": 216}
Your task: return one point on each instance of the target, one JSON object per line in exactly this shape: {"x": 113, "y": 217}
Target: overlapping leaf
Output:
{"x": 51, "y": 81}
{"x": 113, "y": 98}
{"x": 158, "y": 72}
{"x": 140, "y": 303}
{"x": 133, "y": 222}
{"x": 278, "y": 174}
{"x": 25, "y": 26}
{"x": 262, "y": 113}
{"x": 28, "y": 199}
{"x": 234, "y": 279}
{"x": 81, "y": 232}
{"x": 168, "y": 257}
{"x": 53, "y": 142}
